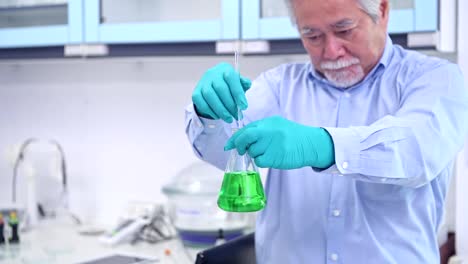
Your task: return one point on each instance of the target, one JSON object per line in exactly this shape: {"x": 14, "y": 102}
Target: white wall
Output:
{"x": 462, "y": 166}
{"x": 120, "y": 122}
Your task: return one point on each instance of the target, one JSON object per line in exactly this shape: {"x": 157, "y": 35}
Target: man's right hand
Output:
{"x": 219, "y": 93}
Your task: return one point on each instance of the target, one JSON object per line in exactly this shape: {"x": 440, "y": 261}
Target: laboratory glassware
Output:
{"x": 192, "y": 207}
{"x": 242, "y": 189}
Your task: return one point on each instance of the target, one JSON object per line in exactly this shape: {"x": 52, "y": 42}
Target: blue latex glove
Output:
{"x": 276, "y": 142}
{"x": 219, "y": 93}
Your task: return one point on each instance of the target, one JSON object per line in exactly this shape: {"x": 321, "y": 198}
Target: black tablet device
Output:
{"x": 121, "y": 259}
{"x": 240, "y": 250}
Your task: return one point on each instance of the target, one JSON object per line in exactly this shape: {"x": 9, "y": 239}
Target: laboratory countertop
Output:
{"x": 53, "y": 243}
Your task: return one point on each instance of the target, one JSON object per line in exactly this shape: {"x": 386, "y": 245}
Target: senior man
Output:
{"x": 360, "y": 142}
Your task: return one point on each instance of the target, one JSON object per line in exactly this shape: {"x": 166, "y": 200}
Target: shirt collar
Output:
{"x": 383, "y": 62}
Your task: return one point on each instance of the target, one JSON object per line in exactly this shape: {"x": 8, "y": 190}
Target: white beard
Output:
{"x": 343, "y": 73}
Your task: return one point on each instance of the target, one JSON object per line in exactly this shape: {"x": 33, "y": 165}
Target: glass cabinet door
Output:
{"x": 140, "y": 21}
{"x": 401, "y": 16}
{"x": 15, "y": 13}
{"x": 269, "y": 19}
{"x": 413, "y": 16}
{"x": 426, "y": 15}
{"x": 25, "y": 23}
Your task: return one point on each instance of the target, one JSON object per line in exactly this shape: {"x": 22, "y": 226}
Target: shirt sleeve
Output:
{"x": 418, "y": 142}
{"x": 207, "y": 137}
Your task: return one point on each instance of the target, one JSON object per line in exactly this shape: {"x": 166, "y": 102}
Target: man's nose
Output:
{"x": 333, "y": 48}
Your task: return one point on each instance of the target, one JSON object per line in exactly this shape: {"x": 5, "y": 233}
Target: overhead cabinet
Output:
{"x": 141, "y": 21}
{"x": 39, "y": 23}
{"x": 270, "y": 19}
{"x": 32, "y": 23}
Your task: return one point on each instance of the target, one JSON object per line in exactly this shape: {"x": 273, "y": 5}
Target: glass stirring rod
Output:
{"x": 240, "y": 116}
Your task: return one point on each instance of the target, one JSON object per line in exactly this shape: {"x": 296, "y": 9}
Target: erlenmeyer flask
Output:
{"x": 242, "y": 189}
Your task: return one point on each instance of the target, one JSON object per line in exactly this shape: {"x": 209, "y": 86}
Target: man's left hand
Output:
{"x": 279, "y": 143}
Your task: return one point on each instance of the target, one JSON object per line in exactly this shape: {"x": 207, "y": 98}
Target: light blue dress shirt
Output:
{"x": 396, "y": 134}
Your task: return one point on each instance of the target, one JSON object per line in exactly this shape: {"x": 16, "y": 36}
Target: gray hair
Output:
{"x": 371, "y": 7}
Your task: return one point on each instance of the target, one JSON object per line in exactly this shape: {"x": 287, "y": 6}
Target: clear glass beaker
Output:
{"x": 242, "y": 189}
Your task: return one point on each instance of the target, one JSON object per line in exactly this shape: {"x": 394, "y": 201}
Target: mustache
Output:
{"x": 339, "y": 64}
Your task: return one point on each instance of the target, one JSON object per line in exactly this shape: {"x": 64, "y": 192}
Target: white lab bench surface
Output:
{"x": 52, "y": 242}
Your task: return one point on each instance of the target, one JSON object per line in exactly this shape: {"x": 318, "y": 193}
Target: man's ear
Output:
{"x": 384, "y": 9}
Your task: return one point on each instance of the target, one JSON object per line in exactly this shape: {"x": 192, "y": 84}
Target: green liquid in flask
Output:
{"x": 241, "y": 191}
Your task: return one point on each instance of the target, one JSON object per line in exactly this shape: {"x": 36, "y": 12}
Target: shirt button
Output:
{"x": 341, "y": 175}
{"x": 347, "y": 95}
{"x": 211, "y": 126}
{"x": 334, "y": 257}
{"x": 345, "y": 165}
{"x": 336, "y": 212}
